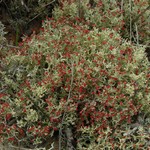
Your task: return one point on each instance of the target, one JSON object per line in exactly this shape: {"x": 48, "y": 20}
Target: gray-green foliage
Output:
{"x": 99, "y": 80}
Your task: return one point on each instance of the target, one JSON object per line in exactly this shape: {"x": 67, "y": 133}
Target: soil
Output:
{"x": 12, "y": 36}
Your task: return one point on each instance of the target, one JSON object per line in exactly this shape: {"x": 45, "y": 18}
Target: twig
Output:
{"x": 130, "y": 21}
{"x": 69, "y": 95}
{"x": 130, "y": 132}
{"x": 134, "y": 38}
{"x": 48, "y": 3}
{"x": 145, "y": 45}
{"x": 41, "y": 11}
{"x": 69, "y": 139}
{"x": 23, "y": 4}
{"x": 122, "y": 2}
{"x": 12, "y": 46}
{"x": 1, "y": 91}
{"x": 137, "y": 34}
{"x": 72, "y": 72}
{"x": 34, "y": 17}
{"x": 8, "y": 45}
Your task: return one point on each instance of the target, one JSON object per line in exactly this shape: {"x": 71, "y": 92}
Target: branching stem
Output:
{"x": 64, "y": 115}
{"x": 130, "y": 5}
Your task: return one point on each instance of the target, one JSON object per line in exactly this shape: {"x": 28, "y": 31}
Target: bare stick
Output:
{"x": 137, "y": 34}
{"x": 69, "y": 139}
{"x": 23, "y": 4}
{"x": 122, "y": 2}
{"x": 49, "y": 3}
{"x": 12, "y": 46}
{"x": 41, "y": 11}
{"x": 130, "y": 21}
{"x": 69, "y": 95}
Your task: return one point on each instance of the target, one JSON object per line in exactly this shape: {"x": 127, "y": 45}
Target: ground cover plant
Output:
{"x": 80, "y": 79}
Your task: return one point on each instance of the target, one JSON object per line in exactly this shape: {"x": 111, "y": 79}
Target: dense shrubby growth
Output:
{"x": 78, "y": 73}
{"x": 129, "y": 18}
